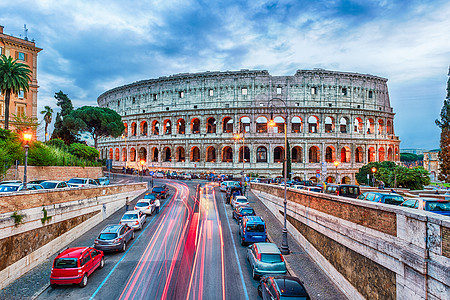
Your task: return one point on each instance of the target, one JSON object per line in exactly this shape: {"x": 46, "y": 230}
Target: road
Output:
{"x": 188, "y": 251}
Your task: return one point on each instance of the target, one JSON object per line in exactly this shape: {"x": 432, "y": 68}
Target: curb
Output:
{"x": 41, "y": 290}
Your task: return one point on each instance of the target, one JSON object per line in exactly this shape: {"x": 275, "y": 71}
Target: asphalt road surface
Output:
{"x": 189, "y": 250}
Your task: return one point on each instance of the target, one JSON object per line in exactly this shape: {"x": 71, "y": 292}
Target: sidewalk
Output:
{"x": 300, "y": 264}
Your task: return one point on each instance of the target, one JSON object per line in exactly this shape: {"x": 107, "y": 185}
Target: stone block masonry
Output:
{"x": 53, "y": 173}
{"x": 370, "y": 250}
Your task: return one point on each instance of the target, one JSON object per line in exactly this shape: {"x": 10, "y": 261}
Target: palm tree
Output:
{"x": 14, "y": 77}
{"x": 47, "y": 112}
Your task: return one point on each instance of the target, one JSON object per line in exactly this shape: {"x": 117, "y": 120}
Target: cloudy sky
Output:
{"x": 92, "y": 46}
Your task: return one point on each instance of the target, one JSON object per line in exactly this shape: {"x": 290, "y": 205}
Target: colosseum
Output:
{"x": 227, "y": 122}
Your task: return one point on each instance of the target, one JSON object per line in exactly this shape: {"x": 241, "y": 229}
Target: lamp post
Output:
{"x": 27, "y": 138}
{"x": 237, "y": 136}
{"x": 142, "y": 162}
{"x": 284, "y": 243}
{"x": 336, "y": 164}
{"x": 373, "y": 175}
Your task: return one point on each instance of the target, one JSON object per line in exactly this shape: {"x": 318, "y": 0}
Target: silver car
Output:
{"x": 147, "y": 206}
{"x": 134, "y": 219}
{"x": 114, "y": 238}
{"x": 17, "y": 187}
{"x": 265, "y": 258}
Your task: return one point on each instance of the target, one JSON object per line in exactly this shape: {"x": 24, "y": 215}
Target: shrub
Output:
{"x": 58, "y": 143}
{"x": 41, "y": 155}
{"x": 83, "y": 151}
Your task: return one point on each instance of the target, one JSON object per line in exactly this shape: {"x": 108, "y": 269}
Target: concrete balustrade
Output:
{"x": 370, "y": 250}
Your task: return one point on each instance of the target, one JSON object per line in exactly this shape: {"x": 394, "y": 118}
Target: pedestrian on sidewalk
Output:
{"x": 127, "y": 202}
{"x": 157, "y": 204}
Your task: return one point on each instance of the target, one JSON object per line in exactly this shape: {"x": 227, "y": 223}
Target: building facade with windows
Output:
{"x": 189, "y": 122}
{"x": 24, "y": 102}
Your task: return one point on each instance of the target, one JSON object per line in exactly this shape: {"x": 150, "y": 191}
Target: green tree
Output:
{"x": 58, "y": 143}
{"x": 444, "y": 124}
{"x": 10, "y": 149}
{"x": 24, "y": 123}
{"x": 48, "y": 113}
{"x": 83, "y": 151}
{"x": 97, "y": 121}
{"x": 40, "y": 154}
{"x": 14, "y": 77}
{"x": 361, "y": 176}
{"x": 288, "y": 162}
{"x": 60, "y": 130}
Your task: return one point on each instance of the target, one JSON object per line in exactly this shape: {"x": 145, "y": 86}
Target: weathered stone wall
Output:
{"x": 370, "y": 250}
{"x": 53, "y": 173}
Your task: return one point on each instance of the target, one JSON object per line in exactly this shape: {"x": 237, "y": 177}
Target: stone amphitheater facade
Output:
{"x": 188, "y": 123}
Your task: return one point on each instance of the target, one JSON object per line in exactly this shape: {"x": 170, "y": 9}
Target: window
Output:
{"x": 1, "y": 50}
{"x": 1, "y": 109}
{"x": 20, "y": 110}
{"x": 278, "y": 91}
{"x": 134, "y": 100}
{"x": 155, "y": 97}
{"x": 181, "y": 94}
{"x": 211, "y": 92}
{"x": 21, "y": 56}
{"x": 344, "y": 91}
{"x": 313, "y": 90}
{"x": 21, "y": 94}
{"x": 370, "y": 94}
{"x": 244, "y": 91}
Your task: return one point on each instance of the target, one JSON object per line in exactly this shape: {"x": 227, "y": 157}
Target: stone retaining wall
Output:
{"x": 371, "y": 250}
{"x": 53, "y": 173}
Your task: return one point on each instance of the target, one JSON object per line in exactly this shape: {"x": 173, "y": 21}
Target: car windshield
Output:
{"x": 130, "y": 217}
{"x": 395, "y": 200}
{"x": 437, "y": 206}
{"x": 49, "y": 185}
{"x": 157, "y": 189}
{"x": 291, "y": 289}
{"x": 8, "y": 188}
{"x": 107, "y": 236}
{"x": 294, "y": 298}
{"x": 247, "y": 211}
{"x": 142, "y": 204}
{"x": 150, "y": 196}
{"x": 103, "y": 179}
{"x": 255, "y": 228}
{"x": 270, "y": 258}
{"x": 64, "y": 263}
{"x": 76, "y": 180}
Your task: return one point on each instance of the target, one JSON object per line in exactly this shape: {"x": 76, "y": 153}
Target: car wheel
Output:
{"x": 124, "y": 247}
{"x": 260, "y": 291}
{"x": 53, "y": 286}
{"x": 84, "y": 281}
{"x": 255, "y": 276}
{"x": 242, "y": 242}
{"x": 102, "y": 263}
{"x": 132, "y": 235}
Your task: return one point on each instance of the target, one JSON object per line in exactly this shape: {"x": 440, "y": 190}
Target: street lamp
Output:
{"x": 27, "y": 138}
{"x": 373, "y": 175}
{"x": 237, "y": 136}
{"x": 336, "y": 164}
{"x": 284, "y": 243}
{"x": 142, "y": 162}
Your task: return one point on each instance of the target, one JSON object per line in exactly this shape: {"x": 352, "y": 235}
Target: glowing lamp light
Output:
{"x": 142, "y": 162}
{"x": 336, "y": 163}
{"x": 272, "y": 123}
{"x": 27, "y": 136}
{"x": 374, "y": 170}
{"x": 237, "y": 136}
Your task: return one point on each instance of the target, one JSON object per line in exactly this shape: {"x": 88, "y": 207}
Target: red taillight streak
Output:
{"x": 282, "y": 258}
{"x": 221, "y": 246}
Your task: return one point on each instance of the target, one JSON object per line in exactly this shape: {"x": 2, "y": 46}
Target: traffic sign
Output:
{"x": 247, "y": 178}
{"x": 152, "y": 173}
{"x": 318, "y": 175}
{"x": 317, "y": 171}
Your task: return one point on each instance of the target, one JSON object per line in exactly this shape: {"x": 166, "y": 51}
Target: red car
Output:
{"x": 74, "y": 265}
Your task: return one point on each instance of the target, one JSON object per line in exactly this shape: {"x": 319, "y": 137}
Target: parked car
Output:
{"x": 17, "y": 187}
{"x": 281, "y": 287}
{"x": 441, "y": 207}
{"x": 306, "y": 183}
{"x": 11, "y": 181}
{"x": 75, "y": 265}
{"x": 33, "y": 181}
{"x": 344, "y": 190}
{"x": 242, "y": 210}
{"x": 239, "y": 200}
{"x": 103, "y": 180}
{"x": 82, "y": 182}
{"x": 225, "y": 184}
{"x": 387, "y": 198}
{"x": 316, "y": 189}
{"x": 252, "y": 229}
{"x": 159, "y": 175}
{"x": 152, "y": 196}
{"x": 162, "y": 190}
{"x": 114, "y": 238}
{"x": 265, "y": 258}
{"x": 147, "y": 206}
{"x": 186, "y": 176}
{"x": 134, "y": 219}
{"x": 54, "y": 184}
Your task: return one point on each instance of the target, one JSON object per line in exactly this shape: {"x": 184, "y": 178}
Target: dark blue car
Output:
{"x": 252, "y": 229}
{"x": 244, "y": 210}
{"x": 437, "y": 206}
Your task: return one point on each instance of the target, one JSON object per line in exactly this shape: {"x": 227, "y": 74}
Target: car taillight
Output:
{"x": 137, "y": 223}
{"x": 337, "y": 193}
{"x": 148, "y": 207}
{"x": 258, "y": 256}
{"x": 282, "y": 258}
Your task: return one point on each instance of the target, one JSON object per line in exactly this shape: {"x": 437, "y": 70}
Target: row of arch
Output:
{"x": 226, "y": 155}
{"x": 262, "y": 124}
